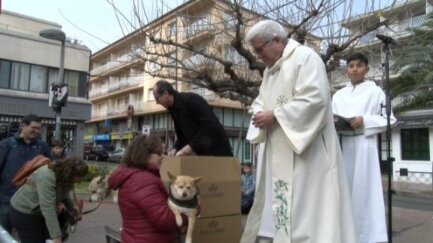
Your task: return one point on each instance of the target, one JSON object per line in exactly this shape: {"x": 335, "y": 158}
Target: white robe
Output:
{"x": 310, "y": 199}
{"x": 361, "y": 157}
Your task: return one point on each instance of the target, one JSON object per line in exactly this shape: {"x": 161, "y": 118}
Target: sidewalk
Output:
{"x": 411, "y": 225}
{"x": 408, "y": 225}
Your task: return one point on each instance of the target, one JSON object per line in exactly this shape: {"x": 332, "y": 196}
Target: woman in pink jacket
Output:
{"x": 143, "y": 205}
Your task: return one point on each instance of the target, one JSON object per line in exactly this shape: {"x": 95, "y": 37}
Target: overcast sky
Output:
{"x": 96, "y": 16}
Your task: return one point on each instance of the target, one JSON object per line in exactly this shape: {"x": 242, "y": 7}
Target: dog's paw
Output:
{"x": 179, "y": 220}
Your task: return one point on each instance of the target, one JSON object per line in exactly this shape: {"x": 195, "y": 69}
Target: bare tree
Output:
{"x": 202, "y": 42}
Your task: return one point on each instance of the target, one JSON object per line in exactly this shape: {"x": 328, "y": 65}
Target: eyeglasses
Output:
{"x": 260, "y": 49}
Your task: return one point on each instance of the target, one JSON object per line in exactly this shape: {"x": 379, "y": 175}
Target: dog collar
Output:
{"x": 191, "y": 203}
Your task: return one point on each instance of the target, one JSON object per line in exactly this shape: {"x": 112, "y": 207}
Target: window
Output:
{"x": 229, "y": 21}
{"x": 238, "y": 117}
{"x": 232, "y": 55}
{"x": 415, "y": 144}
{"x": 172, "y": 29}
{"x": 171, "y": 59}
{"x": 38, "y": 79}
{"x": 247, "y": 151}
{"x": 53, "y": 76}
{"x": 5, "y": 67}
{"x": 153, "y": 66}
{"x": 150, "y": 96}
{"x": 228, "y": 117}
{"x": 72, "y": 79}
{"x": 20, "y": 76}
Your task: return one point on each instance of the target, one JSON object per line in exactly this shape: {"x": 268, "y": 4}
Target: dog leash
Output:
{"x": 80, "y": 204}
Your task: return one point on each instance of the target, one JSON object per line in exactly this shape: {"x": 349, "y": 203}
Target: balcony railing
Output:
{"x": 196, "y": 27}
{"x": 196, "y": 60}
{"x": 122, "y": 84}
{"x": 123, "y": 60}
{"x": 205, "y": 93}
{"x": 395, "y": 30}
{"x": 113, "y": 111}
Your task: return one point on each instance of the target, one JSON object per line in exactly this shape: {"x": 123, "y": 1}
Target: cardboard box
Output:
{"x": 220, "y": 187}
{"x": 225, "y": 229}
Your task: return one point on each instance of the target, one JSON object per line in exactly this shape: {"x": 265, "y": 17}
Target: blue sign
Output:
{"x": 101, "y": 137}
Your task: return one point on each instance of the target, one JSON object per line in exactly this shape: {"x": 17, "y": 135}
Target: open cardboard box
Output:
{"x": 220, "y": 187}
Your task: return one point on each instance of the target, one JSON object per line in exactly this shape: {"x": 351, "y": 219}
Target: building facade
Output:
{"x": 28, "y": 65}
{"x": 121, "y": 91}
{"x": 412, "y": 137}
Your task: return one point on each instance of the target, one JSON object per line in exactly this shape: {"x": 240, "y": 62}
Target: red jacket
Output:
{"x": 146, "y": 217}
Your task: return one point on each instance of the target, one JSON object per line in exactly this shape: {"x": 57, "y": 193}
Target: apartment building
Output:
{"x": 412, "y": 137}
{"x": 121, "y": 92}
{"x": 29, "y": 63}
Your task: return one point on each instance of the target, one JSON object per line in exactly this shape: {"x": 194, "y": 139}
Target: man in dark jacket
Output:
{"x": 14, "y": 152}
{"x": 197, "y": 128}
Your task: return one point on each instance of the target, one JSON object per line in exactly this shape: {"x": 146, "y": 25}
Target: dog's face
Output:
{"x": 183, "y": 187}
{"x": 98, "y": 186}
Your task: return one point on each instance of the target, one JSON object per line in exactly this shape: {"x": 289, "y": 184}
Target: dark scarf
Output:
{"x": 191, "y": 203}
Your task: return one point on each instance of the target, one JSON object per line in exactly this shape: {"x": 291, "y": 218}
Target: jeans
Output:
{"x": 4, "y": 217}
{"x": 30, "y": 228}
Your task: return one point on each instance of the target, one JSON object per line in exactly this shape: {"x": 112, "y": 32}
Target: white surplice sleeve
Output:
{"x": 376, "y": 122}
{"x": 306, "y": 113}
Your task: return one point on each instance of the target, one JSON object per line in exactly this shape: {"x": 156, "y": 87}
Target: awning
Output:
{"x": 418, "y": 123}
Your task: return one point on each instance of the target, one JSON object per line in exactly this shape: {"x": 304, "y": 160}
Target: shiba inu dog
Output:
{"x": 183, "y": 198}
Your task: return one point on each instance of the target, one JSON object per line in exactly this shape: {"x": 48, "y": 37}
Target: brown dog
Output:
{"x": 183, "y": 198}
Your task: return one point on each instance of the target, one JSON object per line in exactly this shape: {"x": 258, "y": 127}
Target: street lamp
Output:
{"x": 55, "y": 34}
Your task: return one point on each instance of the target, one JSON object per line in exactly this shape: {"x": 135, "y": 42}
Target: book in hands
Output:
{"x": 342, "y": 123}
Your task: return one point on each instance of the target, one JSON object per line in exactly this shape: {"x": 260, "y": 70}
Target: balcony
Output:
{"x": 208, "y": 95}
{"x": 197, "y": 29}
{"x": 118, "y": 111}
{"x": 122, "y": 84}
{"x": 396, "y": 30}
{"x": 196, "y": 61}
{"x": 122, "y": 61}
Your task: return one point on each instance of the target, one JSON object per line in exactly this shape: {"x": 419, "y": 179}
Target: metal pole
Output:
{"x": 388, "y": 140}
{"x": 57, "y": 133}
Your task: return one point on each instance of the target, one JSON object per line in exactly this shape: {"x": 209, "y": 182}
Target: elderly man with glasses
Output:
{"x": 302, "y": 193}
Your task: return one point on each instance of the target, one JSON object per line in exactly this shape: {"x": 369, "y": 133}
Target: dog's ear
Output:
{"x": 196, "y": 180}
{"x": 171, "y": 176}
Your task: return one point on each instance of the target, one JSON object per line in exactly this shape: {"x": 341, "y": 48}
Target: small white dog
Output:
{"x": 183, "y": 198}
{"x": 98, "y": 186}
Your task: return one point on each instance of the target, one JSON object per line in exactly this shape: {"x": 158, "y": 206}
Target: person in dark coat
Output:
{"x": 198, "y": 130}
{"x": 14, "y": 152}
{"x": 143, "y": 199}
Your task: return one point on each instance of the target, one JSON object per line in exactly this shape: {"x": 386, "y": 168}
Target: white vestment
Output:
{"x": 361, "y": 157}
{"x": 310, "y": 198}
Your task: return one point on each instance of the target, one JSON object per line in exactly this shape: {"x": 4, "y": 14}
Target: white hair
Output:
{"x": 267, "y": 30}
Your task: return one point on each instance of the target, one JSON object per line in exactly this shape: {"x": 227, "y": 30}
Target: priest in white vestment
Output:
{"x": 302, "y": 193}
{"x": 361, "y": 104}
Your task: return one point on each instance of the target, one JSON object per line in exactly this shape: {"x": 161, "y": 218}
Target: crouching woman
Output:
{"x": 143, "y": 199}
{"x": 36, "y": 204}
